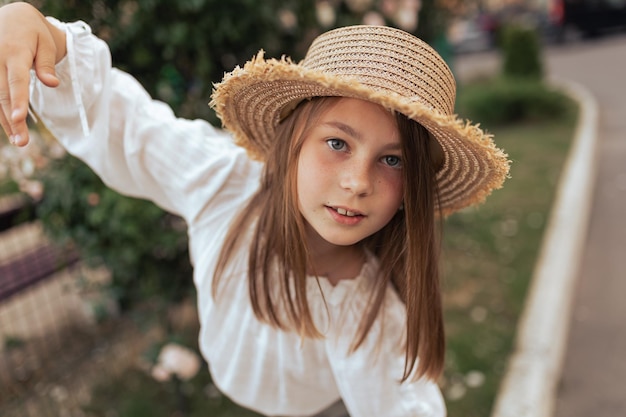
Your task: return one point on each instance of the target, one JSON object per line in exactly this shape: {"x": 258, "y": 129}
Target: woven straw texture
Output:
{"x": 376, "y": 63}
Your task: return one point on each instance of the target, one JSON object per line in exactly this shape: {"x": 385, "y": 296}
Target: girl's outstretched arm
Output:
{"x": 103, "y": 116}
{"x": 27, "y": 40}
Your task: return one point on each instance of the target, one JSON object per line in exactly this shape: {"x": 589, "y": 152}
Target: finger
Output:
{"x": 5, "y": 126}
{"x": 5, "y": 104}
{"x": 18, "y": 139}
{"x": 45, "y": 62}
{"x": 16, "y": 110}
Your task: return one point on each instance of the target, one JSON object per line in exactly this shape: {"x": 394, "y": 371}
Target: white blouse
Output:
{"x": 139, "y": 148}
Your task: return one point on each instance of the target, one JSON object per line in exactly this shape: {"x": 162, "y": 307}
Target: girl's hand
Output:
{"x": 27, "y": 40}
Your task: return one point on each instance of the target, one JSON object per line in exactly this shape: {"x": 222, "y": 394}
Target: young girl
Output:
{"x": 313, "y": 229}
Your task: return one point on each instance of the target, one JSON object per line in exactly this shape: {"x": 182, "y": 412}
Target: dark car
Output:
{"x": 589, "y": 17}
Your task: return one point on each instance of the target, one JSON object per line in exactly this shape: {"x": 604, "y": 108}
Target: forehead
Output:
{"x": 357, "y": 110}
{"x": 360, "y": 119}
{"x": 357, "y": 106}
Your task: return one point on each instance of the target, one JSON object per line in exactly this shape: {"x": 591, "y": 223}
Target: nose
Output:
{"x": 357, "y": 178}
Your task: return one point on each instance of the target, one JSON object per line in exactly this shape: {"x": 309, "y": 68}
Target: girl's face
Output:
{"x": 349, "y": 178}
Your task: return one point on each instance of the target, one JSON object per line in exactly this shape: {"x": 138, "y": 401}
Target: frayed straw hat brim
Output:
{"x": 252, "y": 100}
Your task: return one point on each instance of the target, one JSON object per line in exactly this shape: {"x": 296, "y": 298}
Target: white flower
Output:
{"x": 373, "y": 18}
{"x": 176, "y": 360}
{"x": 56, "y": 151}
{"x": 325, "y": 13}
{"x": 474, "y": 379}
{"x": 27, "y": 167}
{"x": 479, "y": 314}
{"x": 33, "y": 188}
{"x": 407, "y": 19}
{"x": 404, "y": 13}
{"x": 456, "y": 391}
{"x": 359, "y": 6}
{"x": 160, "y": 373}
{"x": 288, "y": 19}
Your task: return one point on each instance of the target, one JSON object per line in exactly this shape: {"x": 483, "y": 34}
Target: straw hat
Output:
{"x": 376, "y": 63}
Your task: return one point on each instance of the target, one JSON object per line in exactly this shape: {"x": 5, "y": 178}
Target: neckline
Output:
{"x": 357, "y": 285}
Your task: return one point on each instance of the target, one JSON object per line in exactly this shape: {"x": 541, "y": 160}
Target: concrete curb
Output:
{"x": 534, "y": 370}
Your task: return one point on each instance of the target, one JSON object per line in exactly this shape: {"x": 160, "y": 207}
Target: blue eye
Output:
{"x": 392, "y": 161}
{"x": 336, "y": 144}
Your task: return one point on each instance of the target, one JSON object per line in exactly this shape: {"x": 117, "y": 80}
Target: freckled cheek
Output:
{"x": 318, "y": 169}
{"x": 393, "y": 184}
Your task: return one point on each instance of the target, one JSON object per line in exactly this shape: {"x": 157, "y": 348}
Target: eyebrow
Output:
{"x": 349, "y": 130}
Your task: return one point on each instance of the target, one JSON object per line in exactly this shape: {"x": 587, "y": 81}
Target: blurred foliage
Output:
{"x": 144, "y": 248}
{"x": 510, "y": 100}
{"x": 8, "y": 186}
{"x": 177, "y": 49}
{"x": 519, "y": 93}
{"x": 521, "y": 53}
{"x": 138, "y": 395}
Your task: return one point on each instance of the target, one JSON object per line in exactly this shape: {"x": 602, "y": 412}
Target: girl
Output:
{"x": 314, "y": 232}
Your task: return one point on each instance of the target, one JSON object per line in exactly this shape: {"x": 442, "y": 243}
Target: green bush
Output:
{"x": 506, "y": 100}
{"x": 8, "y": 186}
{"x": 144, "y": 247}
{"x": 177, "y": 49}
{"x": 521, "y": 53}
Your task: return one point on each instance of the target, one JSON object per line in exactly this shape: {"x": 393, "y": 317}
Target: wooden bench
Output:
{"x": 26, "y": 258}
{"x": 31, "y": 267}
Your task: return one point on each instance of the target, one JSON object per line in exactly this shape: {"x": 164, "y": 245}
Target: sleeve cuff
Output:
{"x": 66, "y": 67}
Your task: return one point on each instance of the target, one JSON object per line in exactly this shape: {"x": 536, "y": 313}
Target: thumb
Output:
{"x": 45, "y": 62}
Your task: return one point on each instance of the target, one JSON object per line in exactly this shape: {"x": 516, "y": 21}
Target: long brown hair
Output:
{"x": 407, "y": 247}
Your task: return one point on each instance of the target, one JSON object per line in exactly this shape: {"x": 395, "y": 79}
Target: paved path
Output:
{"x": 594, "y": 372}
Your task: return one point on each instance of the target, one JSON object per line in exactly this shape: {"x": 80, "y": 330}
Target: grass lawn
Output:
{"x": 489, "y": 256}
{"x": 146, "y": 398}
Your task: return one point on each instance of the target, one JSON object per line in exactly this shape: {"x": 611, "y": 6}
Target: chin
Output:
{"x": 342, "y": 239}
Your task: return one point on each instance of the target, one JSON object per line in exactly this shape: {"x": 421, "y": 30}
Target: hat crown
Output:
{"x": 388, "y": 60}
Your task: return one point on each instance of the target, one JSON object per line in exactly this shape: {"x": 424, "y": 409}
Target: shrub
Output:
{"x": 144, "y": 247}
{"x": 521, "y": 53}
{"x": 507, "y": 100}
{"x": 177, "y": 49}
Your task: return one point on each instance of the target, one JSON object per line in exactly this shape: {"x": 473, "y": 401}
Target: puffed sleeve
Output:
{"x": 369, "y": 378}
{"x": 134, "y": 143}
